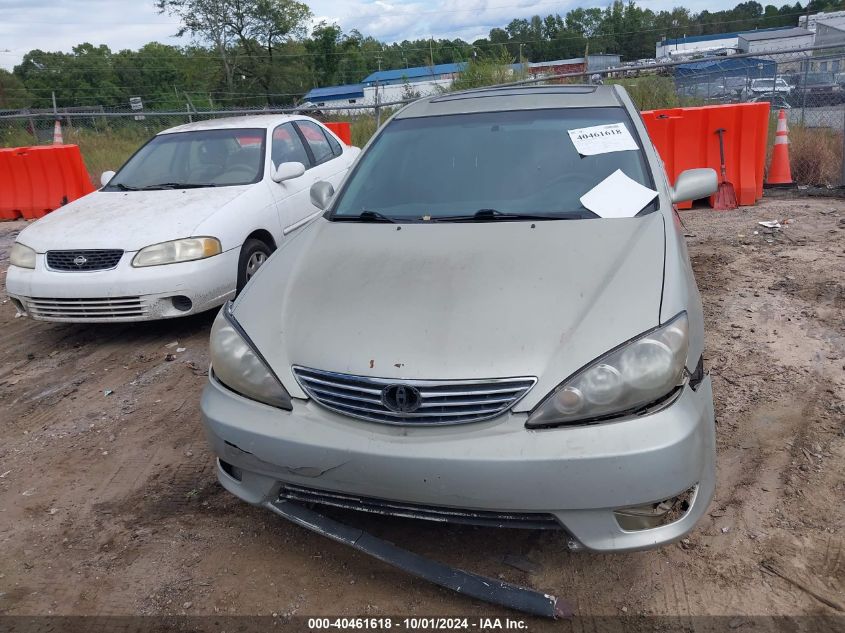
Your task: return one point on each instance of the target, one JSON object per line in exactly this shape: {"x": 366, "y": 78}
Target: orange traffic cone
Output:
{"x": 779, "y": 171}
{"x": 57, "y": 134}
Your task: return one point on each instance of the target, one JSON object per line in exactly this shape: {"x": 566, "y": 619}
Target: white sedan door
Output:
{"x": 330, "y": 161}
{"x": 292, "y": 197}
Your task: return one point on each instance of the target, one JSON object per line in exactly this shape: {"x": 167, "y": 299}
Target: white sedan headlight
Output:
{"x": 639, "y": 373}
{"x": 22, "y": 256}
{"x": 185, "y": 250}
{"x": 238, "y": 365}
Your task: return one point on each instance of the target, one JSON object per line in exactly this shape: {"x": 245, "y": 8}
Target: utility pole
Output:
{"x": 55, "y": 109}
{"x": 431, "y": 49}
{"x": 378, "y": 108}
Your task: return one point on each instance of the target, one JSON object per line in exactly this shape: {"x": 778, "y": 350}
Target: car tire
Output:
{"x": 254, "y": 254}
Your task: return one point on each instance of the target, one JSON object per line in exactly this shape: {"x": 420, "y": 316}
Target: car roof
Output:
{"x": 509, "y": 98}
{"x": 249, "y": 121}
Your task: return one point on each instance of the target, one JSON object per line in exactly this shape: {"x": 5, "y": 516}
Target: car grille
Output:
{"x": 439, "y": 401}
{"x": 525, "y": 520}
{"x": 101, "y": 308}
{"x": 85, "y": 260}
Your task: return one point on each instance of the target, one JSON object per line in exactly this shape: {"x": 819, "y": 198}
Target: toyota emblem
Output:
{"x": 401, "y": 398}
{"x": 79, "y": 260}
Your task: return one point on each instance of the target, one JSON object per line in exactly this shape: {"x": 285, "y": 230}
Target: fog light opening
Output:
{"x": 233, "y": 471}
{"x": 18, "y": 305}
{"x": 182, "y": 303}
{"x": 652, "y": 515}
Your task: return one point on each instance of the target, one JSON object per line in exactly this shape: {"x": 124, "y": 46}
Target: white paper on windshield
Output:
{"x": 617, "y": 196}
{"x": 601, "y": 139}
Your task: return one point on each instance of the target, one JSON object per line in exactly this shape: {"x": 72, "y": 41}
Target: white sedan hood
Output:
{"x": 456, "y": 301}
{"x": 127, "y": 220}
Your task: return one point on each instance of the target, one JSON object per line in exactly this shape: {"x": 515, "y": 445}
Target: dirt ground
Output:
{"x": 109, "y": 505}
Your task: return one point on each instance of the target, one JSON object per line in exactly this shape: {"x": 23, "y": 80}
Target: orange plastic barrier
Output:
{"x": 37, "y": 180}
{"x": 686, "y": 138}
{"x": 343, "y": 130}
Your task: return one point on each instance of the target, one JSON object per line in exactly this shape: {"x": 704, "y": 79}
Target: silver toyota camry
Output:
{"x": 494, "y": 321}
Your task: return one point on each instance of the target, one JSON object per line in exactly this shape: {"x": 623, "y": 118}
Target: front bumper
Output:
{"x": 579, "y": 474}
{"x": 123, "y": 293}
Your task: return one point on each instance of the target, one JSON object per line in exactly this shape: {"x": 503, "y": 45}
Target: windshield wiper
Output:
{"x": 122, "y": 187}
{"x": 365, "y": 216}
{"x": 176, "y": 185}
{"x": 492, "y": 215}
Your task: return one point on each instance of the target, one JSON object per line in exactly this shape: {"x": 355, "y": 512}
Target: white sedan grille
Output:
{"x": 99, "y": 308}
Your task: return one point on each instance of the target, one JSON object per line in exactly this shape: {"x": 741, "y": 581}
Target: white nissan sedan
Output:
{"x": 182, "y": 226}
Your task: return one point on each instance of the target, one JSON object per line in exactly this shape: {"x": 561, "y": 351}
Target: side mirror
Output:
{"x": 105, "y": 177}
{"x": 321, "y": 193}
{"x": 693, "y": 184}
{"x": 288, "y": 171}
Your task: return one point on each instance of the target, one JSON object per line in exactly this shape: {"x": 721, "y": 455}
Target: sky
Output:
{"x": 58, "y": 25}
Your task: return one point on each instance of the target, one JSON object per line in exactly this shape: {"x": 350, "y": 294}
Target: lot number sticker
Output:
{"x": 602, "y": 139}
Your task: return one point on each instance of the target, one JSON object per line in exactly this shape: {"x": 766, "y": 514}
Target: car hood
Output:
{"x": 456, "y": 301}
{"x": 127, "y": 220}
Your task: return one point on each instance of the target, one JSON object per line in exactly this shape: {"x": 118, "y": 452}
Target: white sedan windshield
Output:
{"x": 203, "y": 158}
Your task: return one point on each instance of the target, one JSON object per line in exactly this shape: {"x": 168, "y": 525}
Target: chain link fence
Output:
{"x": 808, "y": 84}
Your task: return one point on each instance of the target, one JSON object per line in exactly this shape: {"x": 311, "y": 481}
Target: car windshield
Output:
{"x": 819, "y": 78}
{"x": 513, "y": 163}
{"x": 202, "y": 158}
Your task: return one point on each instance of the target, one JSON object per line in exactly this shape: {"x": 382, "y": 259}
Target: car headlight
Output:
{"x": 630, "y": 377}
{"x": 185, "y": 250}
{"x": 22, "y": 256}
{"x": 239, "y": 366}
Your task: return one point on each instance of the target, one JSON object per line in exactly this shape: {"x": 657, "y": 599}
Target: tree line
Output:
{"x": 263, "y": 52}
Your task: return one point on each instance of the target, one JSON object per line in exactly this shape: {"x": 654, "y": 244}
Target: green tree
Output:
{"x": 13, "y": 93}
{"x": 250, "y": 36}
{"x": 325, "y": 46}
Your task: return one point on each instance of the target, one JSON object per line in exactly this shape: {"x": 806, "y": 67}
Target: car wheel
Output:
{"x": 254, "y": 254}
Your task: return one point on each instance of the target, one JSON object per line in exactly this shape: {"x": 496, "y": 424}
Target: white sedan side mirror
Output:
{"x": 693, "y": 184}
{"x": 321, "y": 194}
{"x": 105, "y": 177}
{"x": 288, "y": 171}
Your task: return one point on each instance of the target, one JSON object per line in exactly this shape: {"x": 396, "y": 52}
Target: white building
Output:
{"x": 713, "y": 44}
{"x": 688, "y": 46}
{"x": 765, "y": 41}
{"x": 831, "y": 18}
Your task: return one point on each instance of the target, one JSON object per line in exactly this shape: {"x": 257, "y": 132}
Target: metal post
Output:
{"x": 378, "y": 109}
{"x": 804, "y": 87}
{"x": 842, "y": 165}
{"x": 774, "y": 83}
{"x": 55, "y": 109}
{"x": 188, "y": 108}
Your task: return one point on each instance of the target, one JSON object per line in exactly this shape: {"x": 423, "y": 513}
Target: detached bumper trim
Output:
{"x": 486, "y": 589}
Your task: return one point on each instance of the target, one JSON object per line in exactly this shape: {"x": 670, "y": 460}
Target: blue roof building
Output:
{"x": 410, "y": 75}
{"x": 347, "y": 92}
